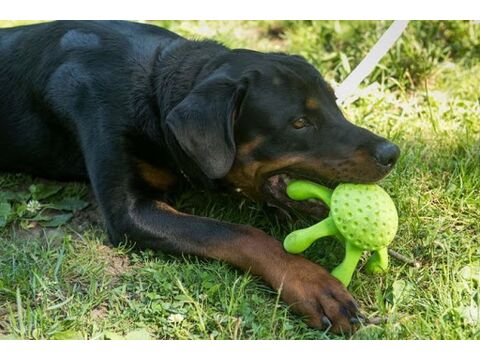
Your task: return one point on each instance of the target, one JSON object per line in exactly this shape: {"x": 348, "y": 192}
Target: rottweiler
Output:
{"x": 139, "y": 111}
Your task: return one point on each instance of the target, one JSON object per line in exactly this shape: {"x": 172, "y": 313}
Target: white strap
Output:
{"x": 348, "y": 88}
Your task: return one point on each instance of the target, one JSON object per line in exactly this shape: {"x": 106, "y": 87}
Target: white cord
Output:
{"x": 349, "y": 87}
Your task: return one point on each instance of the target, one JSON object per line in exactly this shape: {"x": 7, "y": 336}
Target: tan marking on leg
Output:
{"x": 165, "y": 207}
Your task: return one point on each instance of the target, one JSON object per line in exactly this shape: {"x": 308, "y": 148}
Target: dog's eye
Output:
{"x": 300, "y": 123}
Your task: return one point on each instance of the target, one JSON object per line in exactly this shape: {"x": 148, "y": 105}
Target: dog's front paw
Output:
{"x": 322, "y": 299}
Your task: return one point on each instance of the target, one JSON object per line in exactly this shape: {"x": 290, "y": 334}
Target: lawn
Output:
{"x": 60, "y": 279}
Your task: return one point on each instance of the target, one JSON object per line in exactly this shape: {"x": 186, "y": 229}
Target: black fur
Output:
{"x": 89, "y": 100}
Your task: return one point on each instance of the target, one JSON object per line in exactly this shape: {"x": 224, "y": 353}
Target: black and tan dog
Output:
{"x": 138, "y": 110}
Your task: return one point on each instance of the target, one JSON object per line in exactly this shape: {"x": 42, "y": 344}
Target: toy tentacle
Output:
{"x": 378, "y": 262}
{"x": 304, "y": 189}
{"x": 344, "y": 271}
{"x": 299, "y": 240}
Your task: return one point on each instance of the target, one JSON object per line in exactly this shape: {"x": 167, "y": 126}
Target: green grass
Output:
{"x": 66, "y": 281}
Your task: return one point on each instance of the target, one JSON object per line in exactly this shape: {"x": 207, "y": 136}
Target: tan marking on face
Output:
{"x": 246, "y": 149}
{"x": 158, "y": 178}
{"x": 247, "y": 174}
{"x": 358, "y": 167}
{"x": 312, "y": 104}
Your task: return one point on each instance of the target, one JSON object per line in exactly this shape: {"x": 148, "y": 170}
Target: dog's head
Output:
{"x": 259, "y": 120}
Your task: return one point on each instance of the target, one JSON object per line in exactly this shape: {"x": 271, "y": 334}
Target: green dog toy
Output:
{"x": 362, "y": 215}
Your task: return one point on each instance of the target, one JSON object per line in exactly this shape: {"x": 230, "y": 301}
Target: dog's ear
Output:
{"x": 203, "y": 124}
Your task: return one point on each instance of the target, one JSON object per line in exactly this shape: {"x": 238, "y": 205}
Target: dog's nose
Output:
{"x": 386, "y": 154}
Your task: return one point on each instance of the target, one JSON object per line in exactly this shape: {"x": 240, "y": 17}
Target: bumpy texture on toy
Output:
{"x": 363, "y": 215}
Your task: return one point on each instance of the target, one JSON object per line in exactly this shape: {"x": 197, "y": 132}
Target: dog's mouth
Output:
{"x": 275, "y": 190}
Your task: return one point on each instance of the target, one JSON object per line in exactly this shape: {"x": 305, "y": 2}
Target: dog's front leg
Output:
{"x": 148, "y": 223}
{"x": 306, "y": 286}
